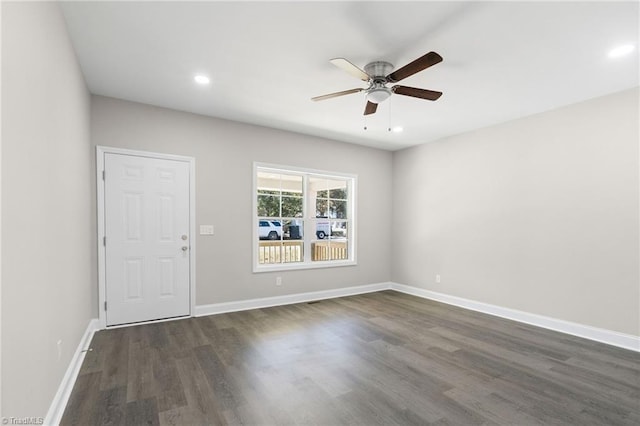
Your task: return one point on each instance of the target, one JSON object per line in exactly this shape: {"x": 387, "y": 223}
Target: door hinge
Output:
{"x": 104, "y": 241}
{"x": 103, "y": 175}
{"x": 105, "y": 305}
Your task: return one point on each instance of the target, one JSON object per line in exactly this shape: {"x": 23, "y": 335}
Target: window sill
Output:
{"x": 300, "y": 266}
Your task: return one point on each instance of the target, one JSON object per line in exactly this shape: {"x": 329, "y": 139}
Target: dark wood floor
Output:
{"x": 381, "y": 358}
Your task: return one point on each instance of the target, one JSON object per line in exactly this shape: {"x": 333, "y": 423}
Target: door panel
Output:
{"x": 147, "y": 238}
{"x": 133, "y": 278}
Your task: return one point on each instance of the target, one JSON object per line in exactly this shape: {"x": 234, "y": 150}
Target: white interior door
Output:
{"x": 147, "y": 246}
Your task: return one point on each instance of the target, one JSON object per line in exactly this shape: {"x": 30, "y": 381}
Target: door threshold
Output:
{"x": 132, "y": 324}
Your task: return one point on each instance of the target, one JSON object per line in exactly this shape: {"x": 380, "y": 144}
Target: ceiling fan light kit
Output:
{"x": 378, "y": 94}
{"x": 379, "y": 73}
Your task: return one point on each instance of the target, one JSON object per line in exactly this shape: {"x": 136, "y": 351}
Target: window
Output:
{"x": 303, "y": 218}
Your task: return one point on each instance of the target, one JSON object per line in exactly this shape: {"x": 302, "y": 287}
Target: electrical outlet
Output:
{"x": 278, "y": 281}
{"x": 438, "y": 278}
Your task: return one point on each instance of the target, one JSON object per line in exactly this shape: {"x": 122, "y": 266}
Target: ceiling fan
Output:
{"x": 378, "y": 74}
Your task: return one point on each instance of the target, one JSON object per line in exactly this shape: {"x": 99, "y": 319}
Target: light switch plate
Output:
{"x": 206, "y": 229}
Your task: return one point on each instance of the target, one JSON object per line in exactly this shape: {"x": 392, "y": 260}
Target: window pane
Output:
{"x": 322, "y": 207}
{"x": 273, "y": 252}
{"x": 292, "y": 251}
{"x": 269, "y": 229}
{"x": 329, "y": 250}
{"x": 318, "y": 186}
{"x": 293, "y": 229}
{"x": 339, "y": 230}
{"x": 291, "y": 206}
{"x": 268, "y": 205}
{"x": 291, "y": 185}
{"x": 338, "y": 250}
{"x": 337, "y": 189}
{"x": 323, "y": 229}
{"x": 337, "y": 209}
{"x": 319, "y": 251}
{"x": 269, "y": 252}
{"x": 268, "y": 183}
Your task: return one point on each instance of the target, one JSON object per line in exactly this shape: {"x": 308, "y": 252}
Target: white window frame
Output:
{"x": 352, "y": 180}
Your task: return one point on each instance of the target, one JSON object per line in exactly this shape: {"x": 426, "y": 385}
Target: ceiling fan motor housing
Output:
{"x": 378, "y": 69}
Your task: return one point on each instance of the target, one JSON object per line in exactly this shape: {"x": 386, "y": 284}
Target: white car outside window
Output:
{"x": 269, "y": 230}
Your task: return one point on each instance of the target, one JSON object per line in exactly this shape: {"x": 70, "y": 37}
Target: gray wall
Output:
{"x": 224, "y": 153}
{"x": 538, "y": 214}
{"x": 46, "y": 206}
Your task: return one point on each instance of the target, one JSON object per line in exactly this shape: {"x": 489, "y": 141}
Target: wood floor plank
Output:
{"x": 169, "y": 388}
{"x": 142, "y": 412}
{"x": 218, "y": 378}
{"x": 81, "y": 405}
{"x": 140, "y": 384}
{"x": 544, "y": 407}
{"x": 115, "y": 369}
{"x": 110, "y": 407}
{"x": 493, "y": 407}
{"x": 541, "y": 362}
{"x": 202, "y": 406}
{"x": 380, "y": 358}
{"x": 371, "y": 407}
{"x": 263, "y": 404}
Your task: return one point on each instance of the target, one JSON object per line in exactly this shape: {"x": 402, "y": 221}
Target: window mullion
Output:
{"x": 305, "y": 216}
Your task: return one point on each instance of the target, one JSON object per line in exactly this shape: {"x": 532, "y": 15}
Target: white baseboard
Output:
{"x": 265, "y": 302}
{"x": 59, "y": 403}
{"x": 626, "y": 341}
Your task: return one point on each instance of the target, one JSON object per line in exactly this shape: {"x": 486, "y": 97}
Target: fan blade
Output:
{"x": 430, "y": 95}
{"x": 336, "y": 94}
{"x": 418, "y": 65}
{"x": 350, "y": 68}
{"x": 370, "y": 108}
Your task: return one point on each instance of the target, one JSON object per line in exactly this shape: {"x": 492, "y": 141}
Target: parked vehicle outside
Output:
{"x": 323, "y": 229}
{"x": 269, "y": 230}
{"x": 274, "y": 230}
{"x": 326, "y": 228}
{"x": 293, "y": 229}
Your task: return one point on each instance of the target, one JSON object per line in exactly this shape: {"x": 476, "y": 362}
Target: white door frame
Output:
{"x": 102, "y": 281}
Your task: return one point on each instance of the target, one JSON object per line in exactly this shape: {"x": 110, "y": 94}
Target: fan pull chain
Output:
{"x": 364, "y": 117}
{"x": 389, "y": 117}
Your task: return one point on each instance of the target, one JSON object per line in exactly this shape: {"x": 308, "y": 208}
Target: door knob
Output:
{"x": 184, "y": 237}
{"x": 185, "y": 248}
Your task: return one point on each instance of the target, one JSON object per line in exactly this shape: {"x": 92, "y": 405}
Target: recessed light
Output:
{"x": 397, "y": 129}
{"x": 201, "y": 79}
{"x": 622, "y": 50}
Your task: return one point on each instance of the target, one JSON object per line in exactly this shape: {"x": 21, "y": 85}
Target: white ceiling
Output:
{"x": 502, "y": 60}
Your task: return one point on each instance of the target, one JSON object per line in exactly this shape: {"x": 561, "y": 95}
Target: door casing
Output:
{"x": 102, "y": 281}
